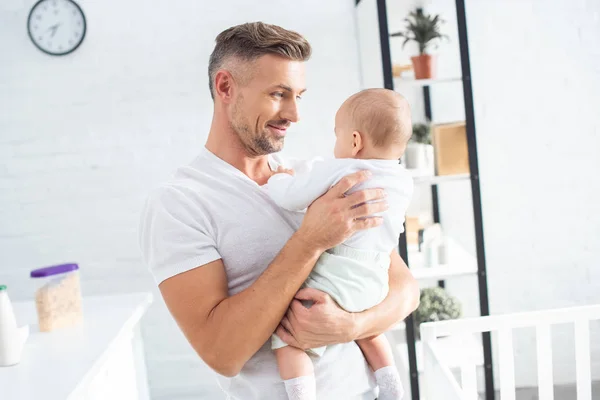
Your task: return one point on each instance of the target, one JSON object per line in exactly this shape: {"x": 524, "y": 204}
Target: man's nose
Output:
{"x": 291, "y": 112}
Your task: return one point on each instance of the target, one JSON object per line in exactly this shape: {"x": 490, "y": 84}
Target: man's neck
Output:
{"x": 224, "y": 143}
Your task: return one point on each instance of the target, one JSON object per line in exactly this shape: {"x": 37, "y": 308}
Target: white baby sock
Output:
{"x": 390, "y": 385}
{"x": 301, "y": 388}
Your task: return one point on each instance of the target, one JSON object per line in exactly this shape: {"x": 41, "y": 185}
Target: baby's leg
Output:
{"x": 379, "y": 355}
{"x": 296, "y": 370}
{"x": 377, "y": 351}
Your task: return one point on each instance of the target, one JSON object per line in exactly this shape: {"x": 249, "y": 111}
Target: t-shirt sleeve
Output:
{"x": 175, "y": 235}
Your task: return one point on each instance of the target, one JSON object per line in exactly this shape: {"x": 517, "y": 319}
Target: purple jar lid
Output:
{"x": 53, "y": 270}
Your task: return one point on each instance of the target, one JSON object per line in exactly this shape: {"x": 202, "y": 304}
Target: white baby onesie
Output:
{"x": 355, "y": 273}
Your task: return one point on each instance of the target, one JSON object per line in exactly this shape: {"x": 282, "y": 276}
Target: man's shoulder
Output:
{"x": 184, "y": 185}
{"x": 169, "y": 196}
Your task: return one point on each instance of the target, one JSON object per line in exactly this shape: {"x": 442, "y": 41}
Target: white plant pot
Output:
{"x": 419, "y": 156}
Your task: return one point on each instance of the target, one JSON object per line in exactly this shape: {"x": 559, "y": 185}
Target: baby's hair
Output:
{"x": 381, "y": 114}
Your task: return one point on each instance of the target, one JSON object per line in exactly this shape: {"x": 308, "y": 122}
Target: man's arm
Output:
{"x": 326, "y": 323}
{"x": 227, "y": 330}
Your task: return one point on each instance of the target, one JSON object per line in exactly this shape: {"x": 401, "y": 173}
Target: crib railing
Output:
{"x": 440, "y": 382}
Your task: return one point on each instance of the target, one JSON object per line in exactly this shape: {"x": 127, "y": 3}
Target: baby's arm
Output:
{"x": 297, "y": 192}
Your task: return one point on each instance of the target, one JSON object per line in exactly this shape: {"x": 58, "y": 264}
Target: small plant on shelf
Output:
{"x": 425, "y": 30}
{"x": 419, "y": 151}
{"x": 436, "y": 305}
{"x": 421, "y": 133}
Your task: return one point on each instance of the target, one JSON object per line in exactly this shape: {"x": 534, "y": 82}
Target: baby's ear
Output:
{"x": 357, "y": 142}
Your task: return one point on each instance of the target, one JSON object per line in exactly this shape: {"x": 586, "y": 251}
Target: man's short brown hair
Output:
{"x": 249, "y": 41}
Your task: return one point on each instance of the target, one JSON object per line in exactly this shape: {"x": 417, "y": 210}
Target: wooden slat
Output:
{"x": 582, "y": 360}
{"x": 507, "y": 364}
{"x": 468, "y": 376}
{"x": 439, "y": 381}
{"x": 544, "y": 363}
{"x": 516, "y": 320}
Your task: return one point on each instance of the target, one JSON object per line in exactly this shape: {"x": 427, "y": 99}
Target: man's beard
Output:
{"x": 267, "y": 144}
{"x": 258, "y": 144}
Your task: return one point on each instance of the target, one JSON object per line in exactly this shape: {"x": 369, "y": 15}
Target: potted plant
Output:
{"x": 425, "y": 30}
{"x": 436, "y": 305}
{"x": 419, "y": 151}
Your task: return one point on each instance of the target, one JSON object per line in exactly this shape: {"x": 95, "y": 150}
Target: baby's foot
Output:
{"x": 390, "y": 385}
{"x": 301, "y": 388}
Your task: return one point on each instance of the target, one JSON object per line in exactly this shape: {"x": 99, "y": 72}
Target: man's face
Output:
{"x": 268, "y": 103}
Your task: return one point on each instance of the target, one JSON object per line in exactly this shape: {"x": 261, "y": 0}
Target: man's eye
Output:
{"x": 298, "y": 97}
{"x": 278, "y": 94}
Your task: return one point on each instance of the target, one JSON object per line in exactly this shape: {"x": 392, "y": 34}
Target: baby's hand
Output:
{"x": 281, "y": 170}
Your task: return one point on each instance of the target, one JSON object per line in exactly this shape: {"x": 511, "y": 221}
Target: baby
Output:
{"x": 372, "y": 128}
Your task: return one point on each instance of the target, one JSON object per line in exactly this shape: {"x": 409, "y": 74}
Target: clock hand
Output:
{"x": 54, "y": 29}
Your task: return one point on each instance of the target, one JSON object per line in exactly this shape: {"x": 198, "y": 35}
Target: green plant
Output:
{"x": 421, "y": 28}
{"x": 436, "y": 305}
{"x": 421, "y": 133}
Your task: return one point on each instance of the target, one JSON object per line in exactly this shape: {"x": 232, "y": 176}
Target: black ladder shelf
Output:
{"x": 388, "y": 81}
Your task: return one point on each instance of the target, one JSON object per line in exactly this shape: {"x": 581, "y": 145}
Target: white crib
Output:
{"x": 440, "y": 383}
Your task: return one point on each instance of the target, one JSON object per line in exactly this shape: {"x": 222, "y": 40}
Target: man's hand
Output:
{"x": 324, "y": 323}
{"x": 334, "y": 217}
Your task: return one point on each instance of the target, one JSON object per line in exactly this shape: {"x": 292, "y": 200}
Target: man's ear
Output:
{"x": 357, "y": 143}
{"x": 224, "y": 85}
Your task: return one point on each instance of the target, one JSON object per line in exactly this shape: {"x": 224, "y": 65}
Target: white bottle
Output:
{"x": 12, "y": 339}
{"x": 443, "y": 252}
{"x": 431, "y": 253}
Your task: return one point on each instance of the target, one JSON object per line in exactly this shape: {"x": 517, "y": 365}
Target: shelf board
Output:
{"x": 460, "y": 263}
{"x": 425, "y": 178}
{"x": 442, "y": 272}
{"x": 398, "y": 82}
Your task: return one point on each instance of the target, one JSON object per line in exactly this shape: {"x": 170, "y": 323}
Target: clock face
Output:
{"x": 56, "y": 27}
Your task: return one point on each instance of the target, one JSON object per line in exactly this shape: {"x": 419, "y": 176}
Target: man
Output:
{"x": 229, "y": 262}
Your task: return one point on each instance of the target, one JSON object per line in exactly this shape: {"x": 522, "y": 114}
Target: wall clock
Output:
{"x": 56, "y": 27}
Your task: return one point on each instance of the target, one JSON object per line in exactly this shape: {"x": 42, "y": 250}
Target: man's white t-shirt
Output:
{"x": 211, "y": 210}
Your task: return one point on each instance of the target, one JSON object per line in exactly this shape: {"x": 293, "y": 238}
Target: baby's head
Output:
{"x": 373, "y": 124}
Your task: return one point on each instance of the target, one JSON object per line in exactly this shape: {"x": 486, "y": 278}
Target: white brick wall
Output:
{"x": 84, "y": 137}
{"x": 536, "y": 79}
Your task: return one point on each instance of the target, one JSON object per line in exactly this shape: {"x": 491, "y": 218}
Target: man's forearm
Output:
{"x": 243, "y": 322}
{"x": 402, "y": 299}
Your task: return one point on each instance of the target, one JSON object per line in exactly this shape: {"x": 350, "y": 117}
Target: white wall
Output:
{"x": 84, "y": 137}
{"x": 536, "y": 82}
{"x": 369, "y": 44}
{"x": 536, "y": 77}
